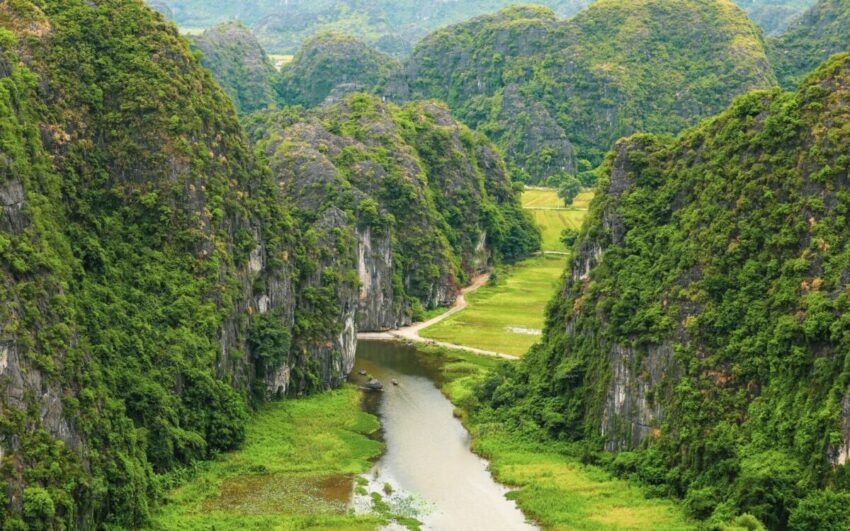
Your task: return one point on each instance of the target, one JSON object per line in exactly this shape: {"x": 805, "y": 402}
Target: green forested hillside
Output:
{"x": 239, "y": 64}
{"x": 702, "y": 334}
{"x": 151, "y": 272}
{"x": 810, "y": 39}
{"x": 430, "y": 202}
{"x": 550, "y": 91}
{"x": 332, "y": 64}
{"x": 774, "y": 16}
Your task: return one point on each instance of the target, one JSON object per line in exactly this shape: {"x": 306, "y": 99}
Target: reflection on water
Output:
{"x": 428, "y": 466}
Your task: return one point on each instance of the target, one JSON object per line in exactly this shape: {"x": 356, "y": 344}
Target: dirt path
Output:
{"x": 411, "y": 333}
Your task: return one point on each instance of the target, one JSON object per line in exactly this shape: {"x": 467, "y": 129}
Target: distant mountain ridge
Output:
{"x": 819, "y": 33}
{"x": 552, "y": 92}
{"x": 392, "y": 26}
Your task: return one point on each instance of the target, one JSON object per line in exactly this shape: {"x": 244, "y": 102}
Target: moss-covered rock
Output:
{"x": 428, "y": 202}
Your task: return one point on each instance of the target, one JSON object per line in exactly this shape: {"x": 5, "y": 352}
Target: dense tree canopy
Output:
{"x": 544, "y": 87}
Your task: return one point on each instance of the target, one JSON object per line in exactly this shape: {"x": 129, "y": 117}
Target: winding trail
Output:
{"x": 411, "y": 333}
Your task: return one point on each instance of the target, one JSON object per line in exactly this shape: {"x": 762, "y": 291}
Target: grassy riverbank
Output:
{"x": 553, "y": 486}
{"x": 506, "y": 316}
{"x": 295, "y": 471}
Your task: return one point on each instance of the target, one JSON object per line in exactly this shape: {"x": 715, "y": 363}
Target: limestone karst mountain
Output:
{"x": 701, "y": 331}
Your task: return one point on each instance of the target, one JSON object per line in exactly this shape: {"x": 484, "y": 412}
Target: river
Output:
{"x": 428, "y": 470}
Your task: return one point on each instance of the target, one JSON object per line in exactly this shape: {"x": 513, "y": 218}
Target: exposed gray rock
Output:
{"x": 375, "y": 271}
{"x": 630, "y": 415}
{"x": 12, "y": 202}
{"x": 840, "y": 453}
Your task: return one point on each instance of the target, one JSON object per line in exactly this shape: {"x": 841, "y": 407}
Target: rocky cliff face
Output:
{"x": 428, "y": 202}
{"x": 153, "y": 280}
{"x": 376, "y": 298}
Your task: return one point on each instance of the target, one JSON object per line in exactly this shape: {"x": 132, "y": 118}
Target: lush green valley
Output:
{"x": 507, "y": 315}
{"x": 212, "y": 264}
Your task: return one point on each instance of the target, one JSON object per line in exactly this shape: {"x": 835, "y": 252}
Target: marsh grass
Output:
{"x": 295, "y": 470}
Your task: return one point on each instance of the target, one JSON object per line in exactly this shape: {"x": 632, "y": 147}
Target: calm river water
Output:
{"x": 432, "y": 474}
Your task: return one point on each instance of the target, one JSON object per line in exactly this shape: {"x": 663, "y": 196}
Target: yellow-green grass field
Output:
{"x": 280, "y": 60}
{"x": 506, "y": 316}
{"x": 295, "y": 471}
{"x": 553, "y": 222}
{"x": 548, "y": 198}
{"x": 190, "y": 31}
{"x": 550, "y": 214}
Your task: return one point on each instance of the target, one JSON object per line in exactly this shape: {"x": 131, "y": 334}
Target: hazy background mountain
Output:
{"x": 392, "y": 26}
